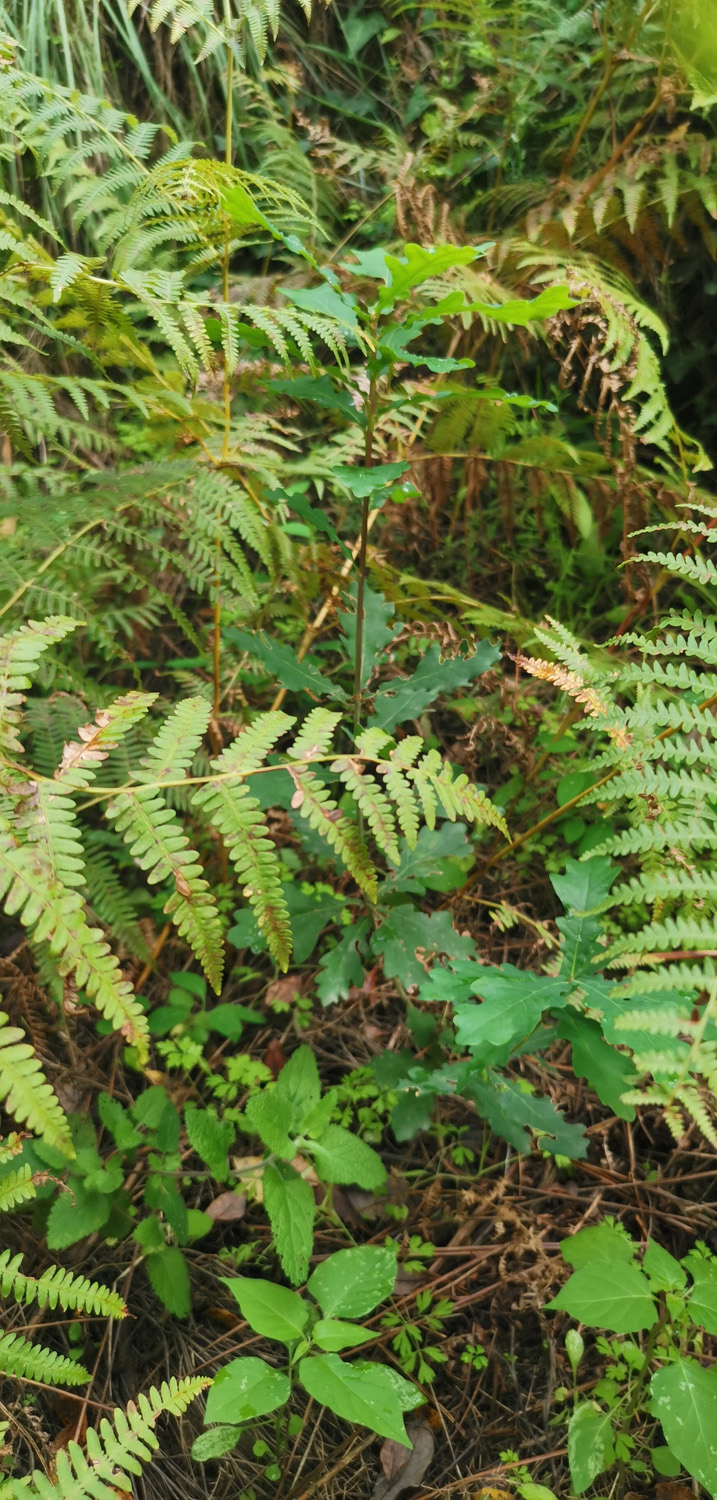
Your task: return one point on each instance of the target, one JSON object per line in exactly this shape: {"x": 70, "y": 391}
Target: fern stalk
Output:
{"x": 363, "y": 547}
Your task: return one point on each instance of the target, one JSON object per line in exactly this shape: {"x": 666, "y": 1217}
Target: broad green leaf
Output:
{"x": 245, "y": 1389}
{"x": 311, "y": 910}
{"x": 406, "y": 1393}
{"x": 371, "y": 263}
{"x": 211, "y": 1138}
{"x": 289, "y": 1202}
{"x": 215, "y": 1443}
{"x": 332, "y": 1335}
{"x": 272, "y": 1119}
{"x": 418, "y": 265}
{"x": 351, "y": 1283}
{"x": 317, "y": 519}
{"x": 591, "y": 1449}
{"x": 282, "y": 663}
{"x": 298, "y": 1084}
{"x": 610, "y": 1295}
{"x": 403, "y": 699}
{"x": 378, "y": 629}
{"x": 321, "y": 390}
{"x": 270, "y": 1310}
{"x": 521, "y": 311}
{"x": 366, "y": 482}
{"x": 513, "y": 1003}
{"x": 609, "y": 1072}
{"x": 703, "y": 1298}
{"x": 74, "y": 1214}
{"x": 241, "y": 208}
{"x": 585, "y": 884}
{"x": 436, "y": 863}
{"x": 363, "y": 1395}
{"x": 406, "y": 929}
{"x": 683, "y": 1398}
{"x": 604, "y": 1241}
{"x": 344, "y": 1158}
{"x": 325, "y": 301}
{"x": 665, "y": 1274}
{"x": 520, "y": 1117}
{"x": 341, "y": 967}
{"x": 167, "y": 1271}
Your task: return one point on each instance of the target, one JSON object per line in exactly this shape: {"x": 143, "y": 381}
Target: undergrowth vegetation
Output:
{"x": 358, "y": 676}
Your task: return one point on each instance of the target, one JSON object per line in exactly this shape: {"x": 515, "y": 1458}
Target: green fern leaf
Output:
{"x": 56, "y": 914}
{"x": 159, "y": 844}
{"x": 16, "y": 1188}
{"x": 25, "y": 1092}
{"x": 372, "y": 803}
{"x": 236, "y": 813}
{"x": 57, "y": 1287}
{"x": 20, "y": 654}
{"x": 19, "y": 1357}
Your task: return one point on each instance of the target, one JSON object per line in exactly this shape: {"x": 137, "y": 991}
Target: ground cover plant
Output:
{"x": 357, "y": 689}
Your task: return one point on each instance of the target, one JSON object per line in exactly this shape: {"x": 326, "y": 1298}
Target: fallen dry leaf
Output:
{"x": 249, "y": 1170}
{"x": 284, "y": 989}
{"x": 275, "y": 1056}
{"x": 227, "y": 1207}
{"x": 404, "y": 1468}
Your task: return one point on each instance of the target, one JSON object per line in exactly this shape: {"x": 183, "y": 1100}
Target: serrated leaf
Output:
{"x": 344, "y": 1158}
{"x": 75, "y": 1214}
{"x": 211, "y": 1138}
{"x": 289, "y": 1202}
{"x": 406, "y": 930}
{"x": 403, "y": 699}
{"x": 167, "y": 1271}
{"x": 604, "y": 1241}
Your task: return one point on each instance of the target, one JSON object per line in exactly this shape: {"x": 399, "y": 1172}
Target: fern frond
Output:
{"x": 20, "y": 654}
{"x": 371, "y": 802}
{"x": 57, "y": 1287}
{"x": 159, "y": 844}
{"x": 25, "y": 1092}
{"x": 21, "y": 1358}
{"x": 16, "y": 1188}
{"x": 236, "y": 814}
{"x": 56, "y": 915}
{"x": 118, "y": 1450}
{"x": 315, "y": 803}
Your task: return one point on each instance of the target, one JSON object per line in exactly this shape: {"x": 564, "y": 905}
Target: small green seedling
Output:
{"x": 314, "y": 1330}
{"x": 659, "y": 1309}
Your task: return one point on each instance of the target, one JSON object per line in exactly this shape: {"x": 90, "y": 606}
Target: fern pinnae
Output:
{"x": 58, "y": 1287}
{"x": 25, "y": 1093}
{"x": 16, "y": 1188}
{"x": 30, "y": 1361}
{"x": 117, "y": 1451}
{"x": 236, "y": 814}
{"x": 372, "y": 802}
{"x": 57, "y": 916}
